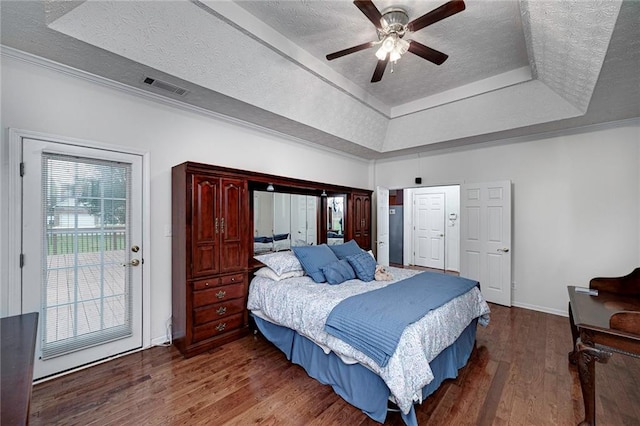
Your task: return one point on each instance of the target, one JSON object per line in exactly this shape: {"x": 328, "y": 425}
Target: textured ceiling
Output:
{"x": 482, "y": 41}
{"x": 514, "y": 68}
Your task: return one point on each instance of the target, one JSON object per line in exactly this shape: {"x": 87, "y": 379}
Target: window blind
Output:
{"x": 86, "y": 293}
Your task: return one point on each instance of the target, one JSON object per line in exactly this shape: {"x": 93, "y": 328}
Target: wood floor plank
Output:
{"x": 518, "y": 374}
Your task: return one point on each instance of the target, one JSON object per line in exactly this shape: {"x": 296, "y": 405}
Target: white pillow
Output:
{"x": 280, "y": 262}
{"x": 269, "y": 273}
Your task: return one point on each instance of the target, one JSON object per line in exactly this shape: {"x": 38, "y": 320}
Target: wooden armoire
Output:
{"x": 210, "y": 216}
{"x": 212, "y": 246}
{"x": 360, "y": 218}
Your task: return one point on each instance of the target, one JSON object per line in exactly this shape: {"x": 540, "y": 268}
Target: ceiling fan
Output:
{"x": 392, "y": 26}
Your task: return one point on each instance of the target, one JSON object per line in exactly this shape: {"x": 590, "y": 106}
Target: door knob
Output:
{"x": 504, "y": 250}
{"x": 134, "y": 262}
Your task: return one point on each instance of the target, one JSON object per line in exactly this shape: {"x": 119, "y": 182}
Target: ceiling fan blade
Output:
{"x": 340, "y": 53}
{"x": 371, "y": 11}
{"x": 437, "y": 14}
{"x": 427, "y": 53}
{"x": 380, "y": 67}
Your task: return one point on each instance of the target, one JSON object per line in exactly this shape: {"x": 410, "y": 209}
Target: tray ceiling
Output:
{"x": 514, "y": 68}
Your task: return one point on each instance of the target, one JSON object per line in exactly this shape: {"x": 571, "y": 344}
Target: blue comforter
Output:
{"x": 373, "y": 322}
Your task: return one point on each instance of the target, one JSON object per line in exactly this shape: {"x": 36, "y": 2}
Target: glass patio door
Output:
{"x": 81, "y": 236}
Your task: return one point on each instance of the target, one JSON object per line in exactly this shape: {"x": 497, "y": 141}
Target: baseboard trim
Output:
{"x": 562, "y": 313}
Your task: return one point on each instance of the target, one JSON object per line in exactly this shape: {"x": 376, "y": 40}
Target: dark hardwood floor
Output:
{"x": 518, "y": 374}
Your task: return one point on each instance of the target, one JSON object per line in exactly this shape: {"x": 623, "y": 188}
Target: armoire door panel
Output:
{"x": 357, "y": 215}
{"x": 232, "y": 256}
{"x": 205, "y": 221}
{"x": 366, "y": 216}
{"x": 235, "y": 209}
{"x": 205, "y": 191}
{"x": 204, "y": 260}
{"x": 362, "y": 220}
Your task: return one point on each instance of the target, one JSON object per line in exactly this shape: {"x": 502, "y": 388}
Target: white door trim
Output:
{"x": 382, "y": 228}
{"x": 11, "y": 246}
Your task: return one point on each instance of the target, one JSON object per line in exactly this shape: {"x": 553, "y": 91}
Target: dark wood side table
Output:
{"x": 601, "y": 325}
{"x": 17, "y": 346}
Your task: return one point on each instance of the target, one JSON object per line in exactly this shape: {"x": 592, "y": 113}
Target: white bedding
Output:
{"x": 303, "y": 305}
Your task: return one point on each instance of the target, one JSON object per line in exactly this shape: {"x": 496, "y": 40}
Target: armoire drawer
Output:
{"x": 217, "y": 294}
{"x": 214, "y": 328}
{"x": 208, "y": 283}
{"x": 218, "y": 281}
{"x": 232, "y": 279}
{"x": 217, "y": 311}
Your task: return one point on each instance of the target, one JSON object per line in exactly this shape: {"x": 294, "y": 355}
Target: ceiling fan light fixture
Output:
{"x": 381, "y": 53}
{"x": 391, "y": 26}
{"x": 402, "y": 46}
{"x": 388, "y": 45}
{"x": 389, "y": 42}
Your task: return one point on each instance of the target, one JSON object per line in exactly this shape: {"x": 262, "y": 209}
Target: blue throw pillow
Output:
{"x": 364, "y": 265}
{"x": 342, "y": 251}
{"x": 338, "y": 272}
{"x": 312, "y": 258}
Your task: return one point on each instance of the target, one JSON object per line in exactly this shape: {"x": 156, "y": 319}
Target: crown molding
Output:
{"x": 39, "y": 61}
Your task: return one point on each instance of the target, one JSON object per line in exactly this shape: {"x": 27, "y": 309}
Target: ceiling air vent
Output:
{"x": 163, "y": 85}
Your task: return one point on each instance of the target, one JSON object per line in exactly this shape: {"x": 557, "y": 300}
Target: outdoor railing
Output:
{"x": 85, "y": 240}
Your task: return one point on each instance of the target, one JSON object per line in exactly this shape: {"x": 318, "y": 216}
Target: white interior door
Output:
{"x": 485, "y": 239}
{"x": 82, "y": 247}
{"x": 382, "y": 237}
{"x": 429, "y": 230}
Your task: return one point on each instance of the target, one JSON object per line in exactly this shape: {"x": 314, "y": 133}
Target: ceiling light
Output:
{"x": 394, "y": 55}
{"x": 402, "y": 46}
{"x": 389, "y": 42}
{"x": 270, "y": 187}
{"x": 387, "y": 46}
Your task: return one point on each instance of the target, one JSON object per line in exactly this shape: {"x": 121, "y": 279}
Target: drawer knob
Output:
{"x": 221, "y": 310}
{"x": 221, "y": 294}
{"x": 221, "y": 326}
{"x": 206, "y": 284}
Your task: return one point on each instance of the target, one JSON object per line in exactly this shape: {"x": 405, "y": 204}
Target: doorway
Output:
{"x": 428, "y": 230}
{"x": 82, "y": 247}
{"x": 431, "y": 234}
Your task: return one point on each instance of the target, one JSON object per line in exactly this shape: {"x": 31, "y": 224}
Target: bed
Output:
{"x": 292, "y": 311}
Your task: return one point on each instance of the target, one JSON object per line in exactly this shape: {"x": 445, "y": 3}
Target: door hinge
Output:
{"x": 21, "y": 260}
{"x": 21, "y": 169}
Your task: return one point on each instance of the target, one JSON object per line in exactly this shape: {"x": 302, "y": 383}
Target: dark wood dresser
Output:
{"x": 210, "y": 216}
{"x": 17, "y": 348}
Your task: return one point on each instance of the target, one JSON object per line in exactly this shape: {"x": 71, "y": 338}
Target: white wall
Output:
{"x": 39, "y": 99}
{"x": 576, "y": 196}
{"x": 576, "y": 204}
